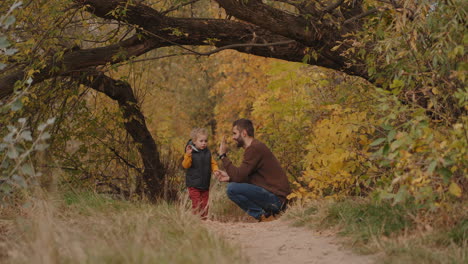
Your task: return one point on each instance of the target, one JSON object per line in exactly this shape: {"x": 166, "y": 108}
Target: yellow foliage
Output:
{"x": 455, "y": 189}
{"x": 337, "y": 154}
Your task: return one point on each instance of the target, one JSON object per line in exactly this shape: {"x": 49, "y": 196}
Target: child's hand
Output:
{"x": 188, "y": 150}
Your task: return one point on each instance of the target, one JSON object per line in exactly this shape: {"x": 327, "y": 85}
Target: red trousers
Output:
{"x": 199, "y": 201}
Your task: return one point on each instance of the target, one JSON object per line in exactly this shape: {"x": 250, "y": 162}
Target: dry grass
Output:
{"x": 90, "y": 228}
{"x": 221, "y": 208}
{"x": 392, "y": 233}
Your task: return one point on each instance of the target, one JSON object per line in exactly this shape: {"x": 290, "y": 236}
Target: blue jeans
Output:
{"x": 253, "y": 199}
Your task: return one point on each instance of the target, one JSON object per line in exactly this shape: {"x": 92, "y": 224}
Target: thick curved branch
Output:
{"x": 80, "y": 59}
{"x": 265, "y": 23}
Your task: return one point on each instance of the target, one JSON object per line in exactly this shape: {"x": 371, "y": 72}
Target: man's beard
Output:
{"x": 240, "y": 142}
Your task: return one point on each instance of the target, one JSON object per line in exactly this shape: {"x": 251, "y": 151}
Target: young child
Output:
{"x": 199, "y": 164}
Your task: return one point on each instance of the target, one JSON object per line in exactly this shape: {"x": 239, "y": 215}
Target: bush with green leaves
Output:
{"x": 18, "y": 142}
{"x": 17, "y": 149}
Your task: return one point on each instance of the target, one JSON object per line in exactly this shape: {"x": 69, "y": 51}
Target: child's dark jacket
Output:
{"x": 198, "y": 173}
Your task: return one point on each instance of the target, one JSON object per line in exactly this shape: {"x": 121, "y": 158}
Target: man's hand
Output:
{"x": 222, "y": 176}
{"x": 222, "y": 146}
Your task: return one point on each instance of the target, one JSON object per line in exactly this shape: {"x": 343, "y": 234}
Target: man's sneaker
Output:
{"x": 264, "y": 218}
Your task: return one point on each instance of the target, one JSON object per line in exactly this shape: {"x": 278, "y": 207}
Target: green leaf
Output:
{"x": 401, "y": 195}
{"x": 26, "y": 135}
{"x": 19, "y": 180}
{"x": 446, "y": 173}
{"x": 16, "y": 105}
{"x": 387, "y": 127}
{"x": 27, "y": 169}
{"x": 5, "y": 164}
{"x": 12, "y": 153}
{"x": 391, "y": 135}
{"x": 4, "y": 42}
{"x": 45, "y": 136}
{"x": 396, "y": 144}
{"x": 10, "y": 52}
{"x": 397, "y": 84}
{"x": 41, "y": 127}
{"x": 386, "y": 149}
{"x": 5, "y": 188}
{"x": 9, "y": 21}
{"x": 386, "y": 195}
{"x": 50, "y": 121}
{"x": 377, "y": 142}
{"x": 41, "y": 147}
{"x": 432, "y": 166}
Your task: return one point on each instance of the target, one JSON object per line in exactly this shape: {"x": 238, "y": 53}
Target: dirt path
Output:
{"x": 279, "y": 242}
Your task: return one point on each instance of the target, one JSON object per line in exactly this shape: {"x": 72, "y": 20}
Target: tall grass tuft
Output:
{"x": 398, "y": 232}
{"x": 86, "y": 227}
{"x": 222, "y": 208}
{"x": 363, "y": 220}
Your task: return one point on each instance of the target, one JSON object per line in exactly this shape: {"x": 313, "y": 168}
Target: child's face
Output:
{"x": 201, "y": 142}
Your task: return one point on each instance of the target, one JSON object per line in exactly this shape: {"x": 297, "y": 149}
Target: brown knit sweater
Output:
{"x": 260, "y": 167}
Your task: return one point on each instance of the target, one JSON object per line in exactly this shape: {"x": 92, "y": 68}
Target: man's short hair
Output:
{"x": 244, "y": 124}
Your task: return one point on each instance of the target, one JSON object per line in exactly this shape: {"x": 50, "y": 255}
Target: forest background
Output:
{"x": 374, "y": 110}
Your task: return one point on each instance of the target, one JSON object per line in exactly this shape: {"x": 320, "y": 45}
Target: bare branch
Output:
{"x": 117, "y": 154}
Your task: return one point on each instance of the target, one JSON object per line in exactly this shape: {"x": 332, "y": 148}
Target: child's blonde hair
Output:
{"x": 198, "y": 131}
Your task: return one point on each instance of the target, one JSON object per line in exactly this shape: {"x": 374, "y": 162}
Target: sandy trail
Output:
{"x": 279, "y": 242}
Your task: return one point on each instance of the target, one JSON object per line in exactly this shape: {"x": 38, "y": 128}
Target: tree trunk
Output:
{"x": 135, "y": 125}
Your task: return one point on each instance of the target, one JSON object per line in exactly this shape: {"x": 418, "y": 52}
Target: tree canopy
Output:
{"x": 316, "y": 32}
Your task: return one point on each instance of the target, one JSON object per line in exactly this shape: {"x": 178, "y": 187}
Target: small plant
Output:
{"x": 17, "y": 148}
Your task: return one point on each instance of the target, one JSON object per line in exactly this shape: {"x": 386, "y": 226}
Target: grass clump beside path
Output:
{"x": 89, "y": 228}
{"x": 396, "y": 233}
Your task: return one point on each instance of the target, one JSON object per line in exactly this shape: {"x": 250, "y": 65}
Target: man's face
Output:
{"x": 236, "y": 136}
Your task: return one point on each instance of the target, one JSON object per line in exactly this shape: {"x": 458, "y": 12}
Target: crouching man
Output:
{"x": 259, "y": 185}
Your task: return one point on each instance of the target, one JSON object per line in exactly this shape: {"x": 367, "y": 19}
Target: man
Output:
{"x": 259, "y": 185}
